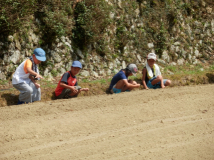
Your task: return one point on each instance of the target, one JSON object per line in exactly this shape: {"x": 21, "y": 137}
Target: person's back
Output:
{"x": 21, "y": 75}
{"x": 120, "y": 75}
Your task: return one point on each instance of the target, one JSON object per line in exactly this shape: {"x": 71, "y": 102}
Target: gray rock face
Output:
{"x": 49, "y": 77}
{"x": 197, "y": 53}
{"x": 91, "y": 67}
{"x": 61, "y": 71}
{"x": 180, "y": 61}
{"x": 173, "y": 64}
{"x": 150, "y": 45}
{"x": 63, "y": 39}
{"x": 34, "y": 38}
{"x": 119, "y": 3}
{"x": 55, "y": 56}
{"x": 115, "y": 71}
{"x": 108, "y": 72}
{"x": 161, "y": 61}
{"x": 69, "y": 46}
{"x": 111, "y": 65}
{"x": 79, "y": 53}
{"x": 46, "y": 72}
{"x": 94, "y": 74}
{"x": 123, "y": 64}
{"x": 165, "y": 56}
{"x": 102, "y": 73}
{"x": 209, "y": 10}
{"x": 68, "y": 66}
{"x": 177, "y": 43}
{"x": 14, "y": 58}
{"x": 172, "y": 48}
{"x": 170, "y": 73}
{"x": 2, "y": 76}
{"x": 85, "y": 73}
{"x": 195, "y": 62}
{"x": 10, "y": 38}
{"x": 11, "y": 46}
{"x": 118, "y": 63}
{"x": 138, "y": 57}
{"x": 185, "y": 43}
{"x": 212, "y": 25}
{"x": 18, "y": 46}
{"x": 183, "y": 53}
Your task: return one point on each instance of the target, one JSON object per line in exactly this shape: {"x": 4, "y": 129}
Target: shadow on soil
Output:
{"x": 210, "y": 77}
{"x": 10, "y": 99}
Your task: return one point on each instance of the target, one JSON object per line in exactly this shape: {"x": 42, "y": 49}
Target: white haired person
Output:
{"x": 26, "y": 76}
{"x": 152, "y": 77}
{"x": 120, "y": 82}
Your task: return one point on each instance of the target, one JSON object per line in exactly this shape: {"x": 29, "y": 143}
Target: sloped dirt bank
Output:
{"x": 9, "y": 95}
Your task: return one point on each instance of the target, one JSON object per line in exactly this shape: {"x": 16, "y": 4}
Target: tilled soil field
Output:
{"x": 165, "y": 124}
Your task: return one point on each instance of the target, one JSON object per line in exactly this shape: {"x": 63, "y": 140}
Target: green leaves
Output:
{"x": 91, "y": 19}
{"x": 14, "y": 13}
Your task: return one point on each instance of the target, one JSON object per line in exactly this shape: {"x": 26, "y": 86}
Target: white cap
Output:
{"x": 152, "y": 56}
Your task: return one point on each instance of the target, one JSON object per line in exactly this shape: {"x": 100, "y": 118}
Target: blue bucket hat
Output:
{"x": 77, "y": 64}
{"x": 40, "y": 54}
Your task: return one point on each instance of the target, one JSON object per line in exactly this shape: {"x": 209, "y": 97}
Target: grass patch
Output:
{"x": 170, "y": 68}
{"x": 211, "y": 67}
{"x": 3, "y": 82}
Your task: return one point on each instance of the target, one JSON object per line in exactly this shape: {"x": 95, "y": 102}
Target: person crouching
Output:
{"x": 152, "y": 77}
{"x": 26, "y": 75}
{"x": 68, "y": 86}
{"x": 120, "y": 82}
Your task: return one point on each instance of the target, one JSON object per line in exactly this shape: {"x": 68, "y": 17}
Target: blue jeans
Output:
{"x": 157, "y": 85}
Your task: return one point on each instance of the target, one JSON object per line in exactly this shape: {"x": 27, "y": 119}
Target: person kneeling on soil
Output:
{"x": 151, "y": 74}
{"x": 120, "y": 82}
{"x": 67, "y": 86}
{"x": 25, "y": 77}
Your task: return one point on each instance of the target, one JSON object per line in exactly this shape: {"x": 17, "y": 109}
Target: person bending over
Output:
{"x": 26, "y": 75}
{"x": 120, "y": 82}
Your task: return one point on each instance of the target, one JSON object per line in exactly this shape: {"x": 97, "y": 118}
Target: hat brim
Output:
{"x": 152, "y": 58}
{"x": 76, "y": 66}
{"x": 41, "y": 58}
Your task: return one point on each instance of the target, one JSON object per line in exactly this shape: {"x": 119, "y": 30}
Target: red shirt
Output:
{"x": 69, "y": 80}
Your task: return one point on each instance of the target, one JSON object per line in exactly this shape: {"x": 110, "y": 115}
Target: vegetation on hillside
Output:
{"x": 88, "y": 22}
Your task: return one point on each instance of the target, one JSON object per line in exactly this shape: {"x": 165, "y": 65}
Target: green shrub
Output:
{"x": 14, "y": 14}
{"x": 91, "y": 20}
{"x": 56, "y": 19}
{"x": 54, "y": 72}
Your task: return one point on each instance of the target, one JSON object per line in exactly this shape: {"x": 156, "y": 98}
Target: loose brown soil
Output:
{"x": 174, "y": 123}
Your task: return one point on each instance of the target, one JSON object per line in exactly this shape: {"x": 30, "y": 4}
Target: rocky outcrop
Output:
{"x": 178, "y": 32}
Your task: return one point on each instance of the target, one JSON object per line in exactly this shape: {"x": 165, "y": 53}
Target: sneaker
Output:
{"x": 20, "y": 102}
